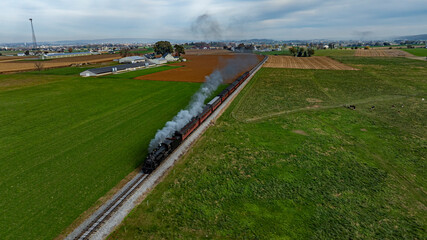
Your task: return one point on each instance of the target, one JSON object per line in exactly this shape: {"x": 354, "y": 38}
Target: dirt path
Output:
{"x": 316, "y": 107}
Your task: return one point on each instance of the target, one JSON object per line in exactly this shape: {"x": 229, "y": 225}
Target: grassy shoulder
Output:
{"x": 307, "y": 167}
{"x": 66, "y": 140}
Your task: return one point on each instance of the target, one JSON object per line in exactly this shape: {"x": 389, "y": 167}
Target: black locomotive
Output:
{"x": 156, "y": 156}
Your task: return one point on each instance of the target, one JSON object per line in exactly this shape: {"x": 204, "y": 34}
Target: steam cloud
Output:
{"x": 363, "y": 34}
{"x": 207, "y": 26}
{"x": 195, "y": 107}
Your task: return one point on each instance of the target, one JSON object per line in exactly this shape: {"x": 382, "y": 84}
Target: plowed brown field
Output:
{"x": 381, "y": 53}
{"x": 196, "y": 68}
{"x": 17, "y": 66}
{"x": 207, "y": 52}
{"x": 12, "y": 58}
{"x": 305, "y": 63}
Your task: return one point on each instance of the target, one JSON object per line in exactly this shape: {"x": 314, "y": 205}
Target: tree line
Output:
{"x": 160, "y": 47}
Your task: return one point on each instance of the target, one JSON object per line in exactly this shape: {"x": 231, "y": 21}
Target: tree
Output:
{"x": 310, "y": 52}
{"x": 179, "y": 49}
{"x": 284, "y": 46}
{"x": 70, "y": 50}
{"x": 124, "y": 52}
{"x": 301, "y": 51}
{"x": 293, "y": 50}
{"x": 27, "y": 53}
{"x": 162, "y": 47}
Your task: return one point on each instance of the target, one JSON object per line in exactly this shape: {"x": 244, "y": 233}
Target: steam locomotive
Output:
{"x": 156, "y": 156}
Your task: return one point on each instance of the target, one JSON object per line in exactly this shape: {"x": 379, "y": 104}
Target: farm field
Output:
{"x": 65, "y": 141}
{"x": 334, "y": 52}
{"x": 12, "y": 58}
{"x": 381, "y": 53}
{"x": 196, "y": 52}
{"x": 284, "y": 52}
{"x": 17, "y": 66}
{"x": 142, "y": 50}
{"x": 420, "y": 52}
{"x": 199, "y": 66}
{"x": 288, "y": 160}
{"x": 305, "y": 63}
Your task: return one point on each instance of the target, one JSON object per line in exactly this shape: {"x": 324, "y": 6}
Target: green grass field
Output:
{"x": 284, "y": 52}
{"x": 287, "y": 160}
{"x": 143, "y": 50}
{"x": 65, "y": 141}
{"x": 420, "y": 52}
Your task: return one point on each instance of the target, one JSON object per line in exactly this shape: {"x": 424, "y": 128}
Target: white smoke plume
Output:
{"x": 232, "y": 68}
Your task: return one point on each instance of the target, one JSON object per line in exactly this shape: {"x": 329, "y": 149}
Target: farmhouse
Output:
{"x": 132, "y": 59}
{"x": 114, "y": 69}
{"x": 169, "y": 57}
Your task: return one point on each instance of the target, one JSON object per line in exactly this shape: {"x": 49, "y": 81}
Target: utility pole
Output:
{"x": 34, "y": 35}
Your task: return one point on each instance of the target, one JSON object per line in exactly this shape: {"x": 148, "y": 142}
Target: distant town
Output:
{"x": 76, "y": 48}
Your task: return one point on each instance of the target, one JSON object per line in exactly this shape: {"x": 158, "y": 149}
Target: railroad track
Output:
{"x": 114, "y": 204}
{"x": 109, "y": 215}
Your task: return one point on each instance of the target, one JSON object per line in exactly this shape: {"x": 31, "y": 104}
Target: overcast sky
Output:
{"x": 239, "y": 19}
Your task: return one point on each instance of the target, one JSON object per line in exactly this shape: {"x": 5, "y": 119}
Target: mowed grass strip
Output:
{"x": 325, "y": 172}
{"x": 67, "y": 141}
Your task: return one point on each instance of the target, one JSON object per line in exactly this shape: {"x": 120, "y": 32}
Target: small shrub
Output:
{"x": 38, "y": 66}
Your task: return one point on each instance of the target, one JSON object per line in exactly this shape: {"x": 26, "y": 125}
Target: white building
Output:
{"x": 169, "y": 57}
{"x": 158, "y": 61}
{"x": 132, "y": 59}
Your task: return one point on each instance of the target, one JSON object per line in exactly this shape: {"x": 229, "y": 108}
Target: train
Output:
{"x": 157, "y": 155}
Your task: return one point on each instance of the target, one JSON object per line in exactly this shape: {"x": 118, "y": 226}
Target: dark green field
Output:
{"x": 420, "y": 52}
{"x": 283, "y": 52}
{"x": 289, "y": 160}
{"x": 142, "y": 50}
{"x": 65, "y": 141}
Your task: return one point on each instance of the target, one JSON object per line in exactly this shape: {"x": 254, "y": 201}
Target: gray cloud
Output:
{"x": 277, "y": 19}
{"x": 207, "y": 27}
